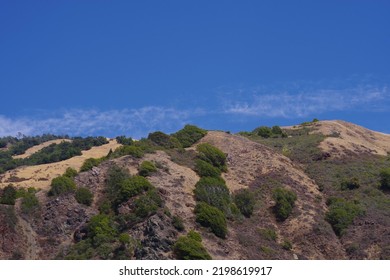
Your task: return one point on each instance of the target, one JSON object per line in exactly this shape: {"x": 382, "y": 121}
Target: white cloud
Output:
{"x": 134, "y": 122}
{"x": 302, "y": 104}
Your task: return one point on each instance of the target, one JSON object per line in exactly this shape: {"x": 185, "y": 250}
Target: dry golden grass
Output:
{"x": 352, "y": 138}
{"x": 39, "y": 147}
{"x": 40, "y": 176}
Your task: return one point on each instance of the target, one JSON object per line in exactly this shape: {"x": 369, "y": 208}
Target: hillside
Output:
{"x": 313, "y": 164}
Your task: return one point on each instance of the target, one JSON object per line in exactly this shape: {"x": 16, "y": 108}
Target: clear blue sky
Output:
{"x": 131, "y": 67}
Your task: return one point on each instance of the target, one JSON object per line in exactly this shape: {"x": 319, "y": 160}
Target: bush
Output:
{"x": 385, "y": 179}
{"x": 214, "y": 192}
{"x": 124, "y": 140}
{"x": 29, "y": 203}
{"x": 212, "y": 217}
{"x": 70, "y": 172}
{"x": 276, "y": 130}
{"x": 205, "y": 169}
{"x": 264, "y": 131}
{"x": 245, "y": 201}
{"x": 212, "y": 155}
{"x": 61, "y": 185}
{"x": 147, "y": 204}
{"x": 341, "y": 214}
{"x": 9, "y": 195}
{"x": 163, "y": 140}
{"x": 190, "y": 248}
{"x": 285, "y": 200}
{"x": 177, "y": 222}
{"x": 287, "y": 245}
{"x": 84, "y": 196}
{"x": 146, "y": 168}
{"x": 134, "y": 151}
{"x": 350, "y": 184}
{"x": 90, "y": 163}
{"x": 268, "y": 234}
{"x": 189, "y": 135}
{"x": 101, "y": 227}
{"x": 133, "y": 186}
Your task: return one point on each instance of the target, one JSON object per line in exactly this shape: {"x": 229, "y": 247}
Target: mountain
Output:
{"x": 311, "y": 191}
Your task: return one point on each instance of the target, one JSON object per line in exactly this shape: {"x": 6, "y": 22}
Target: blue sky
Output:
{"x": 131, "y": 67}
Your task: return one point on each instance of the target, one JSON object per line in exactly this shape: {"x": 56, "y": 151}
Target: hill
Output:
{"x": 311, "y": 191}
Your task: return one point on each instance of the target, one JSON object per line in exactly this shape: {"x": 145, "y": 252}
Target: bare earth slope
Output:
{"x": 351, "y": 138}
{"x": 249, "y": 165}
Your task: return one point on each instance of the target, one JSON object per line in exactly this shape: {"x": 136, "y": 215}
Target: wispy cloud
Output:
{"x": 134, "y": 122}
{"x": 305, "y": 103}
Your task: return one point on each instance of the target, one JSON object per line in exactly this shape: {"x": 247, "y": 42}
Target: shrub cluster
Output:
{"x": 61, "y": 185}
{"x": 212, "y": 217}
{"x": 189, "y": 135}
{"x": 124, "y": 140}
{"x": 30, "y": 202}
{"x": 214, "y": 192}
{"x": 164, "y": 140}
{"x": 245, "y": 201}
{"x": 342, "y": 213}
{"x": 212, "y": 155}
{"x": 84, "y": 196}
{"x": 146, "y": 168}
{"x": 285, "y": 200}
{"x": 90, "y": 163}
{"x": 205, "y": 169}
{"x": 9, "y": 195}
{"x": 190, "y": 247}
{"x": 385, "y": 179}
{"x": 268, "y": 132}
{"x": 350, "y": 184}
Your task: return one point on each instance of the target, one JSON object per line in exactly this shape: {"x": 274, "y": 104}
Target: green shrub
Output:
{"x": 70, "y": 172}
{"x": 84, "y": 196}
{"x": 163, "y": 140}
{"x": 190, "y": 248}
{"x": 133, "y": 186}
{"x": 177, "y": 222}
{"x": 189, "y": 135}
{"x": 61, "y": 185}
{"x": 90, "y": 163}
{"x": 276, "y": 130}
{"x": 147, "y": 204}
{"x": 245, "y": 201}
{"x": 9, "y": 195}
{"x": 341, "y": 214}
{"x": 214, "y": 192}
{"x": 264, "y": 131}
{"x": 133, "y": 150}
{"x": 124, "y": 140}
{"x": 101, "y": 229}
{"x": 30, "y": 203}
{"x": 285, "y": 200}
{"x": 350, "y": 184}
{"x": 146, "y": 168}
{"x": 212, "y": 217}
{"x": 205, "y": 169}
{"x": 385, "y": 179}
{"x": 212, "y": 155}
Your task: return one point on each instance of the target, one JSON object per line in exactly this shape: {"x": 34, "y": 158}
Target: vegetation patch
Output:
{"x": 189, "y": 135}
{"x": 284, "y": 203}
{"x": 211, "y": 217}
{"x": 61, "y": 185}
{"x": 84, "y": 196}
{"x": 90, "y": 163}
{"x": 205, "y": 169}
{"x": 190, "y": 247}
{"x": 245, "y": 201}
{"x": 146, "y": 168}
{"x": 212, "y": 155}
{"x": 342, "y": 213}
{"x": 8, "y": 195}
